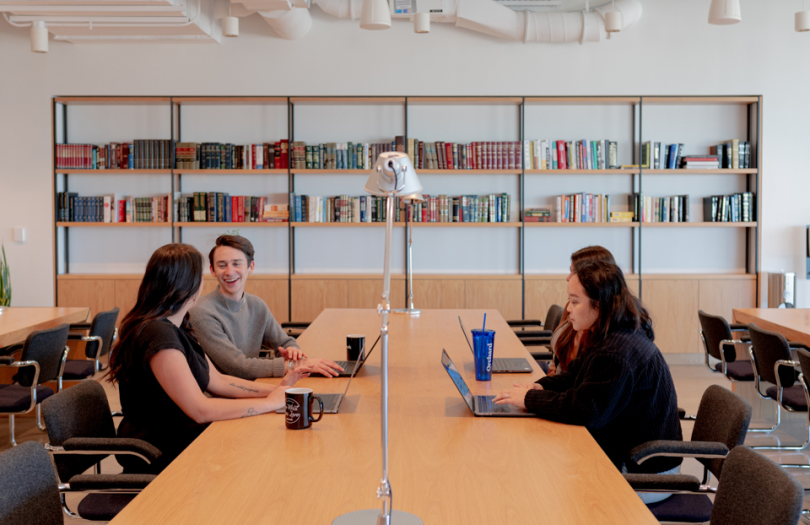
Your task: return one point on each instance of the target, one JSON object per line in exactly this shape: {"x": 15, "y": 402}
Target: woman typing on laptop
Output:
{"x": 621, "y": 388}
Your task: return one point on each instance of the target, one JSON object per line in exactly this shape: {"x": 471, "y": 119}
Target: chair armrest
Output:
{"x": 136, "y": 447}
{"x": 75, "y": 327}
{"x": 681, "y": 482}
{"x": 6, "y": 360}
{"x": 678, "y": 449}
{"x": 534, "y": 333}
{"x": 13, "y": 349}
{"x": 794, "y": 345}
{"x": 542, "y": 356}
{"x": 738, "y": 327}
{"x": 85, "y": 482}
{"x": 295, "y": 325}
{"x": 524, "y": 322}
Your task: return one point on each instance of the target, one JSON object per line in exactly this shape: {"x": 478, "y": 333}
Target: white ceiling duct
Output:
{"x": 290, "y": 25}
{"x": 342, "y": 8}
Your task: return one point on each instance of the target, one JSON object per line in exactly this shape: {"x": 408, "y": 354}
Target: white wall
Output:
{"x": 671, "y": 51}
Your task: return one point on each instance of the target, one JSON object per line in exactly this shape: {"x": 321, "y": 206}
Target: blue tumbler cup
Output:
{"x": 483, "y": 348}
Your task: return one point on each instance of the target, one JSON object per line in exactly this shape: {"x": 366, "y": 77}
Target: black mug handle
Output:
{"x": 320, "y": 415}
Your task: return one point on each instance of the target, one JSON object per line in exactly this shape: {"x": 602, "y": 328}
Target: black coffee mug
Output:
{"x": 355, "y": 347}
{"x": 299, "y": 408}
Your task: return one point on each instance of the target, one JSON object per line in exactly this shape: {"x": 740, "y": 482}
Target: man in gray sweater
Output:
{"x": 232, "y": 325}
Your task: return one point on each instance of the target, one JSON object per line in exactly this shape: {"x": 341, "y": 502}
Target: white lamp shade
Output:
{"x": 421, "y": 23}
{"x": 613, "y": 21}
{"x": 393, "y": 173}
{"x": 413, "y": 198}
{"x": 39, "y": 37}
{"x": 803, "y": 21}
{"x": 724, "y": 12}
{"x": 375, "y": 15}
{"x": 230, "y": 26}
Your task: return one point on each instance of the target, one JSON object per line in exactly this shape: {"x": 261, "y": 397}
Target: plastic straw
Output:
{"x": 485, "y": 322}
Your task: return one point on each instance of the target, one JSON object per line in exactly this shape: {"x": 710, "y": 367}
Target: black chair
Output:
{"x": 294, "y": 329}
{"x": 30, "y": 492}
{"x": 773, "y": 363}
{"x": 718, "y": 343}
{"x": 43, "y": 359}
{"x": 102, "y": 333}
{"x": 720, "y": 425}
{"x": 542, "y": 338}
{"x": 755, "y": 491}
{"x": 81, "y": 434}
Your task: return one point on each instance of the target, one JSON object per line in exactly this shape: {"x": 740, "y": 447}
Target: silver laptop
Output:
{"x": 501, "y": 365}
{"x": 479, "y": 405}
{"x": 331, "y": 402}
{"x": 349, "y": 366}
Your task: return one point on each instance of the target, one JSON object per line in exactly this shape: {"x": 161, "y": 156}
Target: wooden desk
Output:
{"x": 446, "y": 466}
{"x": 17, "y": 322}
{"x": 793, "y": 323}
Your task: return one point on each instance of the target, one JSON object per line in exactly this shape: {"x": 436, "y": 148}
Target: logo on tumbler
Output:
{"x": 489, "y": 357}
{"x": 293, "y": 411}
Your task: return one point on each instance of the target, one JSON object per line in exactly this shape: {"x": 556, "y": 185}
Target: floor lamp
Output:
{"x": 393, "y": 174}
{"x": 411, "y": 199}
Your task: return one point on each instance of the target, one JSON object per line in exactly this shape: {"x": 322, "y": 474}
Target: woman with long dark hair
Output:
{"x": 620, "y": 389}
{"x": 163, "y": 373}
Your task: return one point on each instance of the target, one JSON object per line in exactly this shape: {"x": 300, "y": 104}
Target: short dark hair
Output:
{"x": 233, "y": 241}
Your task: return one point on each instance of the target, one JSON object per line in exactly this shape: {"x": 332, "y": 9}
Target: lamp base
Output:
{"x": 369, "y": 517}
{"x": 408, "y": 311}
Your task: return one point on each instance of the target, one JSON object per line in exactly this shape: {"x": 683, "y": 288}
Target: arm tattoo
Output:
{"x": 251, "y": 412}
{"x": 246, "y": 389}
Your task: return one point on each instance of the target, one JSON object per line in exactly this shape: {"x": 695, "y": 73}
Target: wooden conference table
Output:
{"x": 446, "y": 466}
{"x": 793, "y": 323}
{"x": 17, "y": 322}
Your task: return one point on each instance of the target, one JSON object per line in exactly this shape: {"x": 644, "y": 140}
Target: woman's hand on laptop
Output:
{"x": 321, "y": 366}
{"x": 292, "y": 353}
{"x": 514, "y": 396}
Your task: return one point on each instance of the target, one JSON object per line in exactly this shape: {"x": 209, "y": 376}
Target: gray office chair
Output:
{"x": 102, "y": 336}
{"x": 720, "y": 425}
{"x": 43, "y": 359}
{"x": 755, "y": 491}
{"x": 542, "y": 338}
{"x": 718, "y": 343}
{"x": 30, "y": 492}
{"x": 81, "y": 434}
{"x": 773, "y": 363}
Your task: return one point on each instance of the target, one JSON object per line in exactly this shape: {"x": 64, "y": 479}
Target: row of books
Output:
{"x": 733, "y": 154}
{"x": 462, "y": 208}
{"x": 342, "y": 208}
{"x": 227, "y": 156}
{"x": 739, "y": 207}
{"x": 575, "y": 155}
{"x": 224, "y": 207}
{"x": 341, "y": 155}
{"x": 583, "y": 207}
{"x": 71, "y": 207}
{"x": 659, "y": 209}
{"x": 484, "y": 155}
{"x": 138, "y": 154}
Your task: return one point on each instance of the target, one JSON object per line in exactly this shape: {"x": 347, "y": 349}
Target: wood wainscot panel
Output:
{"x": 542, "y": 293}
{"x": 501, "y": 294}
{"x": 97, "y": 294}
{"x": 673, "y": 306}
{"x": 367, "y": 293}
{"x": 438, "y": 293}
{"x": 274, "y": 292}
{"x": 126, "y": 295}
{"x": 311, "y": 296}
{"x": 210, "y": 283}
{"x": 720, "y": 296}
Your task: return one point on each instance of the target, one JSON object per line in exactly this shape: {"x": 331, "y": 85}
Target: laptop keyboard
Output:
{"x": 485, "y": 405}
{"x": 329, "y": 402}
{"x": 506, "y": 363}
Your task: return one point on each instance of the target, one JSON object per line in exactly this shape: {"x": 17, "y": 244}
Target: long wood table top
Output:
{"x": 793, "y": 323}
{"x": 446, "y": 466}
{"x": 17, "y": 322}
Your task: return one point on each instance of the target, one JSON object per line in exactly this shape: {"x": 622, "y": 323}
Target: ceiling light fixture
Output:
{"x": 803, "y": 20}
{"x": 39, "y": 37}
{"x": 375, "y": 15}
{"x": 230, "y": 24}
{"x": 613, "y": 20}
{"x": 421, "y": 23}
{"x": 725, "y": 12}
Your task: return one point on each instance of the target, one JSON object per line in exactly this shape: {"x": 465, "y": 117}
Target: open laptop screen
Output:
{"x": 457, "y": 379}
{"x": 464, "y": 331}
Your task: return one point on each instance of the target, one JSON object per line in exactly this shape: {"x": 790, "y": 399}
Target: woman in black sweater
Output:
{"x": 620, "y": 389}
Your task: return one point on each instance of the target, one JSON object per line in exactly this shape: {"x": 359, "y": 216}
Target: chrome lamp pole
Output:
{"x": 393, "y": 174}
{"x": 410, "y": 310}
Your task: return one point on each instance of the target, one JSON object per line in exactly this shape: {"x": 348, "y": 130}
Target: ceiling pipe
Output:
{"x": 289, "y": 25}
{"x": 112, "y": 24}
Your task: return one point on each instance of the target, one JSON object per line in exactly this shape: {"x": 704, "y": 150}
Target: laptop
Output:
{"x": 349, "y": 366}
{"x": 331, "y": 402}
{"x": 501, "y": 365}
{"x": 479, "y": 405}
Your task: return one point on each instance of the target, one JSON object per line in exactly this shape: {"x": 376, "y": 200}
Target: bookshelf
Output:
{"x": 303, "y": 267}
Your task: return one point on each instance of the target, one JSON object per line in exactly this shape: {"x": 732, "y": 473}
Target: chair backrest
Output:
{"x": 768, "y": 348}
{"x": 103, "y": 326}
{"x": 756, "y": 491}
{"x": 804, "y": 364}
{"x": 30, "y": 493}
{"x": 722, "y": 417}
{"x": 715, "y": 329}
{"x": 553, "y": 317}
{"x": 78, "y": 411}
{"x": 46, "y": 347}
